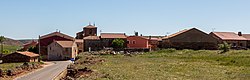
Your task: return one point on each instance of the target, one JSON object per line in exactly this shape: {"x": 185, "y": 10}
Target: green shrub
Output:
{"x": 6, "y": 51}
{"x": 225, "y": 47}
{"x": 118, "y": 43}
{"x": 33, "y": 49}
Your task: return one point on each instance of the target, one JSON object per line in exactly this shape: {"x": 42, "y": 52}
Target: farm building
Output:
{"x": 154, "y": 42}
{"x": 107, "y": 38}
{"x": 190, "y": 39}
{"x": 21, "y": 57}
{"x": 29, "y": 44}
{"x": 48, "y": 39}
{"x": 138, "y": 42}
{"x": 236, "y": 40}
{"x": 92, "y": 43}
{"x": 247, "y": 36}
{"x": 62, "y": 50}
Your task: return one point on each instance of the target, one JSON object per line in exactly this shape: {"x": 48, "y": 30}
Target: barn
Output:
{"x": 48, "y": 39}
{"x": 190, "y": 39}
{"x": 21, "y": 57}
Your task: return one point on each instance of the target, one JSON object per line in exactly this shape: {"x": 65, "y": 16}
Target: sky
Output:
{"x": 27, "y": 19}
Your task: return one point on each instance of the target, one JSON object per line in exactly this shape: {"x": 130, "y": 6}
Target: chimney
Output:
{"x": 136, "y": 33}
{"x": 239, "y": 33}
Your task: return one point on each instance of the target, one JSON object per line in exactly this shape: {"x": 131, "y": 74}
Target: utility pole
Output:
{"x": 1, "y": 41}
{"x": 39, "y": 46}
{"x": 1, "y": 49}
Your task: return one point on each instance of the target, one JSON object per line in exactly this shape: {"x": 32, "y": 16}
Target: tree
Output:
{"x": 225, "y": 47}
{"x": 1, "y": 41}
{"x": 33, "y": 49}
{"x": 118, "y": 43}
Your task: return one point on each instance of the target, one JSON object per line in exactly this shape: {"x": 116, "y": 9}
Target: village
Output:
{"x": 58, "y": 46}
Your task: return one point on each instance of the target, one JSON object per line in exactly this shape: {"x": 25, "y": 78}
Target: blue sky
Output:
{"x": 26, "y": 19}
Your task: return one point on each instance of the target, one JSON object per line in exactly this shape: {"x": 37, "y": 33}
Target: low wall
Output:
{"x": 61, "y": 75}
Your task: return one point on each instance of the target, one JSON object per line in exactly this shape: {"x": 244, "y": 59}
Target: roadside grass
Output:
{"x": 6, "y": 66}
{"x": 176, "y": 64}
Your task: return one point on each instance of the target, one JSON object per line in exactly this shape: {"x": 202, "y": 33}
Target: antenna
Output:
{"x": 213, "y": 29}
{"x": 167, "y": 33}
{"x": 89, "y": 23}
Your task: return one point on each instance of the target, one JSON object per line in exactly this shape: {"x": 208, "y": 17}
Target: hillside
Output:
{"x": 24, "y": 41}
{"x": 12, "y": 42}
{"x": 12, "y": 45}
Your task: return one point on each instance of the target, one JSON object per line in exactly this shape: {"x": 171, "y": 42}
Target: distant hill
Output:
{"x": 12, "y": 42}
{"x": 24, "y": 41}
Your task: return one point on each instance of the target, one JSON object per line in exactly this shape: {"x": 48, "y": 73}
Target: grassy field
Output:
{"x": 11, "y": 48}
{"x": 177, "y": 64}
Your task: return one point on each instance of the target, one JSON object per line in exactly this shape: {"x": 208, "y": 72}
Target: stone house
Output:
{"x": 21, "y": 57}
{"x": 236, "y": 40}
{"x": 62, "y": 50}
{"x": 190, "y": 39}
{"x": 45, "y": 40}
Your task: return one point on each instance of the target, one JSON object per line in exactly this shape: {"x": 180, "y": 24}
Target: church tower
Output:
{"x": 89, "y": 30}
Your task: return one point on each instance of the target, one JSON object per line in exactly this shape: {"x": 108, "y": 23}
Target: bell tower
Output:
{"x": 90, "y": 30}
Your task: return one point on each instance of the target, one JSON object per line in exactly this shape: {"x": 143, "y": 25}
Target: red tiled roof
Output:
{"x": 156, "y": 39}
{"x": 79, "y": 40}
{"x": 26, "y": 53}
{"x": 175, "y": 34}
{"x": 113, "y": 35}
{"x": 90, "y": 26}
{"x": 91, "y": 38}
{"x": 31, "y": 43}
{"x": 57, "y": 34}
{"x": 65, "y": 44}
{"x": 140, "y": 37}
{"x": 247, "y": 36}
{"x": 228, "y": 36}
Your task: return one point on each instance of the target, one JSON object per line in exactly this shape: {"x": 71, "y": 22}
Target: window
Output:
{"x": 234, "y": 44}
{"x": 90, "y": 31}
{"x": 133, "y": 42}
{"x": 241, "y": 44}
{"x": 128, "y": 42}
{"x": 67, "y": 49}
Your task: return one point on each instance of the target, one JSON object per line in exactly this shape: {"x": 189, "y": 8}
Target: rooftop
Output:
{"x": 26, "y": 53}
{"x": 90, "y": 26}
{"x": 113, "y": 35}
{"x": 228, "y": 36}
{"x": 65, "y": 44}
{"x": 57, "y": 34}
{"x": 91, "y": 38}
